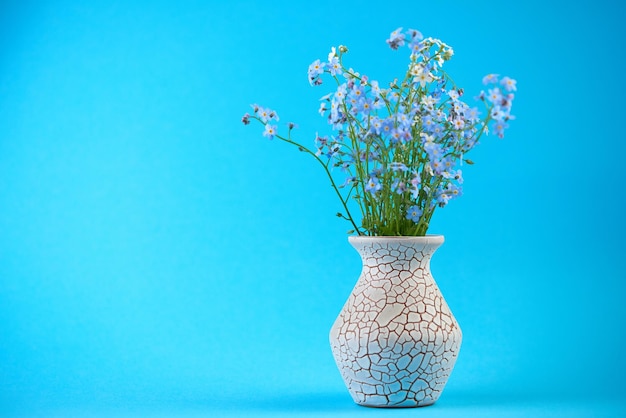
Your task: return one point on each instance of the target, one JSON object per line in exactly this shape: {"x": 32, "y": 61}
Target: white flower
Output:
{"x": 447, "y": 54}
{"x": 427, "y": 138}
{"x": 429, "y": 101}
{"x": 423, "y": 78}
{"x": 416, "y": 69}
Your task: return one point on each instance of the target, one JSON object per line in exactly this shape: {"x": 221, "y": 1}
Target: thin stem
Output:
{"x": 330, "y": 177}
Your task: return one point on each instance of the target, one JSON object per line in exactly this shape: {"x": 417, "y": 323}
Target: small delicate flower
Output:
{"x": 415, "y": 35}
{"x": 454, "y": 95}
{"x": 263, "y": 114}
{"x": 396, "y": 135}
{"x": 373, "y": 185}
{"x": 341, "y": 92}
{"x": 497, "y": 113}
{"x": 334, "y": 67}
{"x": 315, "y": 70}
{"x": 414, "y": 213}
{"x": 376, "y": 125}
{"x": 421, "y": 75}
{"x": 472, "y": 115}
{"x": 394, "y": 96}
{"x": 375, "y": 88}
{"x": 494, "y": 95}
{"x": 398, "y": 186}
{"x": 246, "y": 119}
{"x": 365, "y": 105}
{"x": 458, "y": 123}
{"x": 270, "y": 131}
{"x": 349, "y": 180}
{"x": 396, "y": 39}
{"x": 499, "y": 128}
{"x": 509, "y": 84}
{"x": 387, "y": 127}
{"x": 429, "y": 101}
{"x": 490, "y": 78}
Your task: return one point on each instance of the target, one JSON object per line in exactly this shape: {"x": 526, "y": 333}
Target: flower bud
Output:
{"x": 343, "y": 49}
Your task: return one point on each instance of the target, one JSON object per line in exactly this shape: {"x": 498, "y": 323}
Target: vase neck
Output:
{"x": 375, "y": 251}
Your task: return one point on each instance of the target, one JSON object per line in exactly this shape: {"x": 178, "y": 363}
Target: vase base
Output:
{"x": 393, "y": 406}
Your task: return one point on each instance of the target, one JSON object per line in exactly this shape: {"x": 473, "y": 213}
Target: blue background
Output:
{"x": 158, "y": 257}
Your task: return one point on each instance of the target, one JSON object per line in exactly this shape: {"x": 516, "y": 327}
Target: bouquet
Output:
{"x": 395, "y": 152}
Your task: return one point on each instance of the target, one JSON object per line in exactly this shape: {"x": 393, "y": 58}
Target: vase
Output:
{"x": 395, "y": 341}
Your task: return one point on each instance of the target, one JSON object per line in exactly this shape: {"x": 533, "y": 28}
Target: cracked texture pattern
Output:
{"x": 395, "y": 341}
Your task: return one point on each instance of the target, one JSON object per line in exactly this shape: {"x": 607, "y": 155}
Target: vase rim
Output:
{"x": 432, "y": 238}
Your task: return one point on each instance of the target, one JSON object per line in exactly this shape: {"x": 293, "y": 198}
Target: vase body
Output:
{"x": 395, "y": 341}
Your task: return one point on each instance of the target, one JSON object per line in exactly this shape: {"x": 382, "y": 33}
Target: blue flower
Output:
{"x": 434, "y": 150}
{"x": 458, "y": 123}
{"x": 451, "y": 191}
{"x": 497, "y": 113}
{"x": 373, "y": 185}
{"x": 494, "y": 96}
{"x": 340, "y": 94}
{"x": 472, "y": 115}
{"x": 404, "y": 121}
{"x": 396, "y": 135}
{"x": 509, "y": 84}
{"x": 499, "y": 128}
{"x": 428, "y": 123}
{"x": 270, "y": 131}
{"x": 437, "y": 130}
{"x": 398, "y": 186}
{"x": 490, "y": 78}
{"x": 364, "y": 106}
{"x": 375, "y": 88}
{"x": 415, "y": 35}
{"x": 265, "y": 114}
{"x": 334, "y": 67}
{"x": 357, "y": 92}
{"x": 414, "y": 213}
{"x": 396, "y": 39}
{"x": 376, "y": 125}
{"x": 315, "y": 70}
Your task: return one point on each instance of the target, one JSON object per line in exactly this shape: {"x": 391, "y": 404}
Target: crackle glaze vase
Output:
{"x": 395, "y": 341}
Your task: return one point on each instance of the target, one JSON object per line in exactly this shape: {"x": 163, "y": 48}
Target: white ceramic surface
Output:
{"x": 395, "y": 341}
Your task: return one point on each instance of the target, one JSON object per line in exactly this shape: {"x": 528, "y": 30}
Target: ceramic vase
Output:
{"x": 395, "y": 341}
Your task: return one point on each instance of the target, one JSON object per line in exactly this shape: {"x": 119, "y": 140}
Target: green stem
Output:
{"x": 330, "y": 177}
